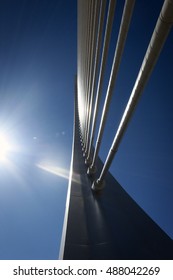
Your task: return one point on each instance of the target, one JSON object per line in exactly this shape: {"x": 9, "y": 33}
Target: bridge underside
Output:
{"x": 108, "y": 224}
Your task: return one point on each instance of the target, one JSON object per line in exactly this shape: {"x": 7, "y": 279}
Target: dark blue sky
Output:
{"x": 37, "y": 69}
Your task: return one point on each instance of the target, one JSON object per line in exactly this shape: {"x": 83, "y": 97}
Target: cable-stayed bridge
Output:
{"x": 102, "y": 221}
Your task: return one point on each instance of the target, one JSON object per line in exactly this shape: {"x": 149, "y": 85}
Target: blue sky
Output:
{"x": 37, "y": 69}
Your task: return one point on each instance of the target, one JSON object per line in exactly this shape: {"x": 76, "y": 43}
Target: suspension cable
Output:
{"x": 161, "y": 31}
{"x": 124, "y": 26}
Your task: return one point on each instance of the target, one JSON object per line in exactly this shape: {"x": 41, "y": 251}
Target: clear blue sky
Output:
{"x": 37, "y": 68}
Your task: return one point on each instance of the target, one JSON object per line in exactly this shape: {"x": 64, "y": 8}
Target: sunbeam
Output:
{"x": 61, "y": 172}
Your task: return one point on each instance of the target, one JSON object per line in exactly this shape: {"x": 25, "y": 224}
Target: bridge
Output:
{"x": 102, "y": 221}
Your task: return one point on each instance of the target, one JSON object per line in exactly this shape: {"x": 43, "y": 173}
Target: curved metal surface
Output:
{"x": 108, "y": 224}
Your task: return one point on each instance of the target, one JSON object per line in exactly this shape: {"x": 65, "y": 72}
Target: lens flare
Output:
{"x": 60, "y": 172}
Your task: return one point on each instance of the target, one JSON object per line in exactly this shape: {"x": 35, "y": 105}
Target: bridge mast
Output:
{"x": 102, "y": 221}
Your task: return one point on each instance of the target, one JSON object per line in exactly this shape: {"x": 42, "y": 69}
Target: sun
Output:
{"x": 4, "y": 147}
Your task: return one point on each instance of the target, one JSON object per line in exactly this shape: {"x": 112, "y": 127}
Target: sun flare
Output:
{"x": 5, "y": 147}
